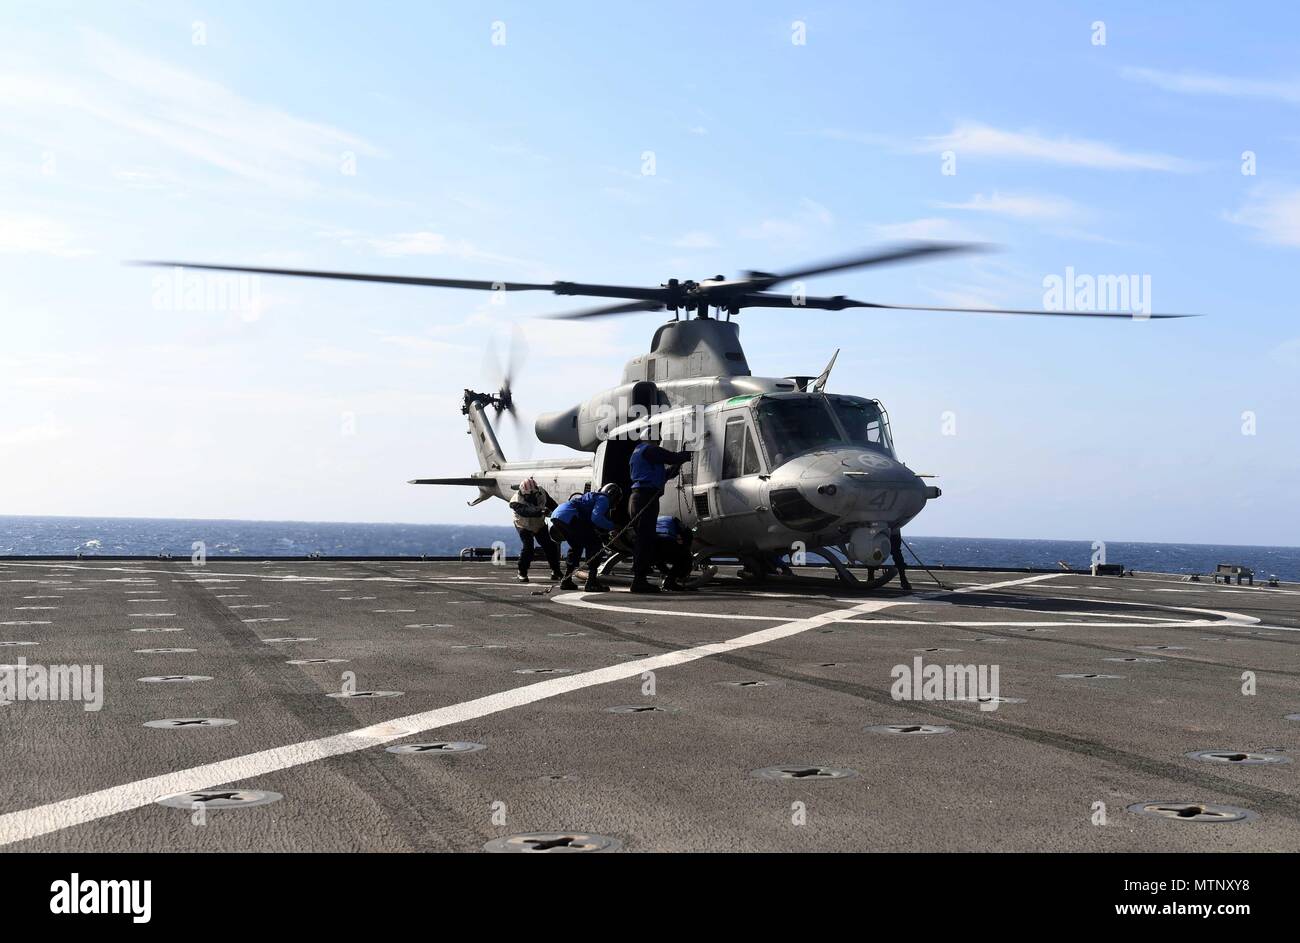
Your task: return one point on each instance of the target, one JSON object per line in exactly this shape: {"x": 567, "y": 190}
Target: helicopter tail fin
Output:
{"x": 486, "y": 446}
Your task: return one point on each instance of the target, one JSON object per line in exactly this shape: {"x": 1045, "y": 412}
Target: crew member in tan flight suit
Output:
{"x": 531, "y": 505}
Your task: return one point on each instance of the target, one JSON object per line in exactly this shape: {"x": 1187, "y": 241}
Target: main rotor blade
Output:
{"x": 900, "y": 253}
{"x": 559, "y": 288}
{"x": 362, "y": 277}
{"x": 1132, "y": 315}
{"x": 765, "y": 300}
{"x": 630, "y": 308}
{"x": 838, "y": 303}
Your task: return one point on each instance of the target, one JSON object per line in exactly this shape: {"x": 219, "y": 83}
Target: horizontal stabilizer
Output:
{"x": 474, "y": 482}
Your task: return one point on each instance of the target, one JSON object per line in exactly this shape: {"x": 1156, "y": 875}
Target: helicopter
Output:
{"x": 780, "y": 466}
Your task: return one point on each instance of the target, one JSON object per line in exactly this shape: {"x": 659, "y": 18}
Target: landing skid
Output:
{"x": 607, "y": 565}
{"x": 703, "y": 574}
{"x": 756, "y": 572}
{"x": 877, "y": 576}
{"x": 706, "y": 572}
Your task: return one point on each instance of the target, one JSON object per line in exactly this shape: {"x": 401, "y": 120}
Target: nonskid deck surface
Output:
{"x": 742, "y": 679}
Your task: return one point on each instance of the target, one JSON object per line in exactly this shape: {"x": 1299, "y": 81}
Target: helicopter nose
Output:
{"x": 845, "y": 486}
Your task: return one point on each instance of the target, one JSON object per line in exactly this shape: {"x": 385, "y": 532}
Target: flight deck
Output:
{"x": 408, "y": 705}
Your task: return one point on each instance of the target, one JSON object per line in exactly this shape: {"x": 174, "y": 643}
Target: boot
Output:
{"x": 641, "y": 585}
{"x": 568, "y": 583}
{"x": 903, "y": 584}
{"x": 594, "y": 585}
{"x": 556, "y": 576}
{"x": 523, "y": 576}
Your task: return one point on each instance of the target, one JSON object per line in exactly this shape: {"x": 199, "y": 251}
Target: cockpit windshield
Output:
{"x": 791, "y": 424}
{"x": 795, "y": 424}
{"x": 863, "y": 421}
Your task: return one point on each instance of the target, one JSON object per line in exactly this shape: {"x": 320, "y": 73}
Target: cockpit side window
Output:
{"x": 751, "y": 466}
{"x": 733, "y": 448}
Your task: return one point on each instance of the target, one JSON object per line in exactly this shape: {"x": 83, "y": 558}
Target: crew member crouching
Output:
{"x": 673, "y": 541}
{"x": 581, "y": 522}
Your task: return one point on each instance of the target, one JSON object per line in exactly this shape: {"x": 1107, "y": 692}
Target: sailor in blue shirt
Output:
{"x": 673, "y": 541}
{"x": 651, "y": 466}
{"x": 580, "y": 523}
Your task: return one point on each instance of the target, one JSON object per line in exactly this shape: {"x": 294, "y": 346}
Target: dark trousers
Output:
{"x": 896, "y": 553}
{"x": 674, "y": 557}
{"x": 582, "y": 539}
{"x": 530, "y": 541}
{"x": 643, "y": 502}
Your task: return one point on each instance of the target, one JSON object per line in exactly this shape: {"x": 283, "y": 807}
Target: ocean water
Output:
{"x": 152, "y": 536}
{"x": 1283, "y": 562}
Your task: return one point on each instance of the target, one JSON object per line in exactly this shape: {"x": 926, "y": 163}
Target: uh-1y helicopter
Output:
{"x": 779, "y": 464}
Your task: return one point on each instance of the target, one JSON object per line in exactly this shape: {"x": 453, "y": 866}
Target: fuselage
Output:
{"x": 769, "y": 473}
{"x": 776, "y": 466}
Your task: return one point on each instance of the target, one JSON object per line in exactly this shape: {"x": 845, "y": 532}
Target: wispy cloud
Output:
{"x": 335, "y": 356}
{"x": 971, "y": 138}
{"x": 57, "y": 385}
{"x": 47, "y": 430}
{"x": 518, "y": 149}
{"x": 1203, "y": 83}
{"x": 695, "y": 240}
{"x": 860, "y": 137}
{"x": 1287, "y": 353}
{"x": 810, "y": 215}
{"x": 425, "y": 345}
{"x": 1274, "y": 214}
{"x": 1018, "y": 205}
{"x": 23, "y": 233}
{"x": 173, "y": 110}
{"x": 423, "y": 242}
{"x": 987, "y": 282}
{"x": 925, "y": 229}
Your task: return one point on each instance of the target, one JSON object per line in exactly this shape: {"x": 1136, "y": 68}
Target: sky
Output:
{"x": 632, "y": 143}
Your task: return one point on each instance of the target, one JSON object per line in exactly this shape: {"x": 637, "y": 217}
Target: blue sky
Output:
{"x": 224, "y": 132}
